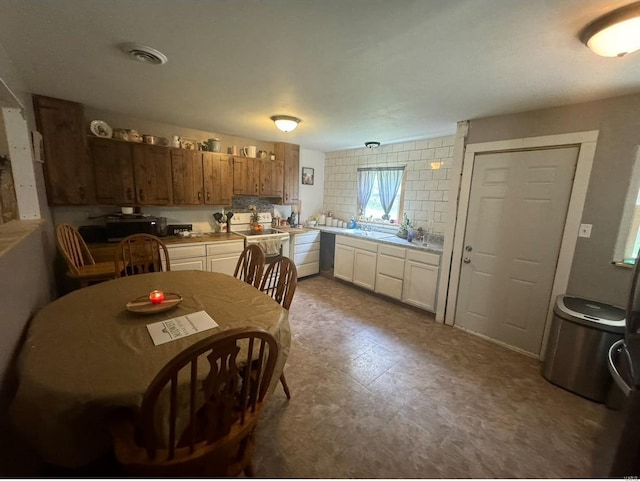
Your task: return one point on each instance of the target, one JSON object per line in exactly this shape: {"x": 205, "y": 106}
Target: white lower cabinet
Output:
{"x": 306, "y": 253}
{"x": 187, "y": 257}
{"x": 421, "y": 279}
{"x": 390, "y": 270}
{"x": 223, "y": 256}
{"x": 355, "y": 261}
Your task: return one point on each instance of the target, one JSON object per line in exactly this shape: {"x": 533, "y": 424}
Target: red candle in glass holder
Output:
{"x": 156, "y": 297}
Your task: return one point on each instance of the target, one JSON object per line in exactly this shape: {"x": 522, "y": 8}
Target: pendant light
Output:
{"x": 286, "y": 123}
{"x": 615, "y": 34}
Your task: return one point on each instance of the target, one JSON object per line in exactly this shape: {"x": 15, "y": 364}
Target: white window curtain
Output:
{"x": 389, "y": 181}
{"x": 365, "y": 187}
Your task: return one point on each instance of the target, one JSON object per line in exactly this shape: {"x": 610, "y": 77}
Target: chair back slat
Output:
{"x": 280, "y": 281}
{"x": 207, "y": 400}
{"x": 250, "y": 265}
{"x": 72, "y": 247}
{"x": 141, "y": 254}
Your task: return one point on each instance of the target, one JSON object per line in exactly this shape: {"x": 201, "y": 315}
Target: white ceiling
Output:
{"x": 353, "y": 70}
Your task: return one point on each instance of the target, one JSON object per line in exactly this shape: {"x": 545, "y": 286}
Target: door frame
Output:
{"x": 586, "y": 141}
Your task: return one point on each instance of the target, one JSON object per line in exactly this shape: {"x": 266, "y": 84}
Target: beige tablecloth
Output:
{"x": 86, "y": 354}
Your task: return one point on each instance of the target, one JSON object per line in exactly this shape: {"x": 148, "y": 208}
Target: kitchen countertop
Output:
{"x": 295, "y": 230}
{"x": 174, "y": 239}
{"x": 382, "y": 237}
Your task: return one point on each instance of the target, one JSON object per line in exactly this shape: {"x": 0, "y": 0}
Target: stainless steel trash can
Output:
{"x": 581, "y": 333}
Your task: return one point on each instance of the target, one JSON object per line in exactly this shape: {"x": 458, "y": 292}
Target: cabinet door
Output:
{"x": 225, "y": 265}
{"x": 364, "y": 268}
{"x": 67, "y": 170}
{"x": 218, "y": 178}
{"x": 152, "y": 174}
{"x": 290, "y": 154}
{"x": 246, "y": 171}
{"x": 343, "y": 262}
{"x": 187, "y": 177}
{"x": 420, "y": 285}
{"x": 113, "y": 167}
{"x": 271, "y": 178}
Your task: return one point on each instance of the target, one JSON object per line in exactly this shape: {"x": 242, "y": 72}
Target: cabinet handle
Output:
{"x": 286, "y": 196}
{"x": 256, "y": 188}
{"x": 199, "y": 195}
{"x": 208, "y": 195}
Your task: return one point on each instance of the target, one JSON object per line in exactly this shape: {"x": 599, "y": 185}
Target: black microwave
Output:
{"x": 120, "y": 227}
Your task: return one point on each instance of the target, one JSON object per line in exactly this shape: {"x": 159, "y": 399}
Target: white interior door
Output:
{"x": 517, "y": 209}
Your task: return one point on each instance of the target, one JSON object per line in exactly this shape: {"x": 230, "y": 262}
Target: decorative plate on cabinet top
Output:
{"x": 101, "y": 129}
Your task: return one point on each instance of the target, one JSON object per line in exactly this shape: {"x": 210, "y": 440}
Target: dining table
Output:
{"x": 86, "y": 354}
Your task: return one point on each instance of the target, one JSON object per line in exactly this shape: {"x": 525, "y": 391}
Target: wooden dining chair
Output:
{"x": 140, "y": 254}
{"x": 250, "y": 265}
{"x": 216, "y": 389}
{"x": 80, "y": 263}
{"x": 279, "y": 282}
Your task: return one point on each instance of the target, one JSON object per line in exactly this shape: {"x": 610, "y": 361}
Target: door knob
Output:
{"x": 466, "y": 260}
{"x": 468, "y": 248}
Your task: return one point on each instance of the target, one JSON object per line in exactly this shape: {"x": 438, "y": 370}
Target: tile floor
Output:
{"x": 380, "y": 390}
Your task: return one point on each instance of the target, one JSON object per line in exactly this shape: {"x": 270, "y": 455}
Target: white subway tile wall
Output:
{"x": 426, "y": 187}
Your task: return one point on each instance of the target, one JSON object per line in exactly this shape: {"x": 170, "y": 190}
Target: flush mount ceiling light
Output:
{"x": 615, "y": 34}
{"x": 144, "y": 54}
{"x": 286, "y": 123}
{"x": 372, "y": 145}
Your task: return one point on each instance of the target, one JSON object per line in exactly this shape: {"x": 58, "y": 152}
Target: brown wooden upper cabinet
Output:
{"x": 271, "y": 178}
{"x": 113, "y": 168}
{"x": 218, "y": 178}
{"x": 152, "y": 174}
{"x": 246, "y": 176}
{"x": 68, "y": 174}
{"x": 187, "y": 175}
{"x": 290, "y": 155}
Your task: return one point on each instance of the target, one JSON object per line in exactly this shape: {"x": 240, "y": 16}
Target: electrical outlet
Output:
{"x": 585, "y": 230}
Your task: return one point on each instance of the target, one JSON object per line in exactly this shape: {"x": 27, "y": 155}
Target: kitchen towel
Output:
{"x": 271, "y": 247}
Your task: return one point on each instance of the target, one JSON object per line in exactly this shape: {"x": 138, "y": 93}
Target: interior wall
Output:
{"x": 26, "y": 270}
{"x": 311, "y": 196}
{"x": 592, "y": 273}
{"x": 426, "y": 189}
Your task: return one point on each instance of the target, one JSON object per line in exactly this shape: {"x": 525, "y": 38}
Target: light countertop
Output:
{"x": 382, "y": 237}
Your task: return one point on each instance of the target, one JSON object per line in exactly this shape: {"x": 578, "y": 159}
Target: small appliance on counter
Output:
{"x": 175, "y": 229}
{"x": 120, "y": 226}
{"x": 93, "y": 233}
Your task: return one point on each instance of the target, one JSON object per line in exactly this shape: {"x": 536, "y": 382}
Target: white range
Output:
{"x": 273, "y": 241}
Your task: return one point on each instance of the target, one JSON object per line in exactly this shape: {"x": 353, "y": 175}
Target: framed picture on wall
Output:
{"x": 307, "y": 176}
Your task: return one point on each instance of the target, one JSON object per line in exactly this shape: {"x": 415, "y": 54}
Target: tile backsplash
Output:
{"x": 426, "y": 189}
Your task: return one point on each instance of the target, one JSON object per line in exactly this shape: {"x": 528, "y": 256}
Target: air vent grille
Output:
{"x": 145, "y": 54}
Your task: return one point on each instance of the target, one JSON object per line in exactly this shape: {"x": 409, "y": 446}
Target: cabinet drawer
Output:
{"x": 357, "y": 243}
{"x": 307, "y": 238}
{"x": 389, "y": 286}
{"x": 424, "y": 257}
{"x": 184, "y": 252}
{"x": 225, "y": 248}
{"x": 307, "y": 270}
{"x": 306, "y": 257}
{"x": 304, "y": 248}
{"x": 392, "y": 251}
{"x": 391, "y": 266}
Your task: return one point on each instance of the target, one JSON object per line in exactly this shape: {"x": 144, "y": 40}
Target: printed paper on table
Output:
{"x": 178, "y": 327}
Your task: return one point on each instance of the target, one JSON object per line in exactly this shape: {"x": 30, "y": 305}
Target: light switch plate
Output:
{"x": 585, "y": 230}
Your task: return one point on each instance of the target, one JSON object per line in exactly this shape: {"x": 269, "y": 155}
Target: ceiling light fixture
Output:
{"x": 286, "y": 123}
{"x": 144, "y": 54}
{"x": 372, "y": 145}
{"x": 615, "y": 34}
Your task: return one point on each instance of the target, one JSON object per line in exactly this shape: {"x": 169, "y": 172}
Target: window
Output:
{"x": 379, "y": 192}
{"x": 628, "y": 242}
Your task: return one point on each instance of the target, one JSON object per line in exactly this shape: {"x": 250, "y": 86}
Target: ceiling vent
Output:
{"x": 144, "y": 54}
